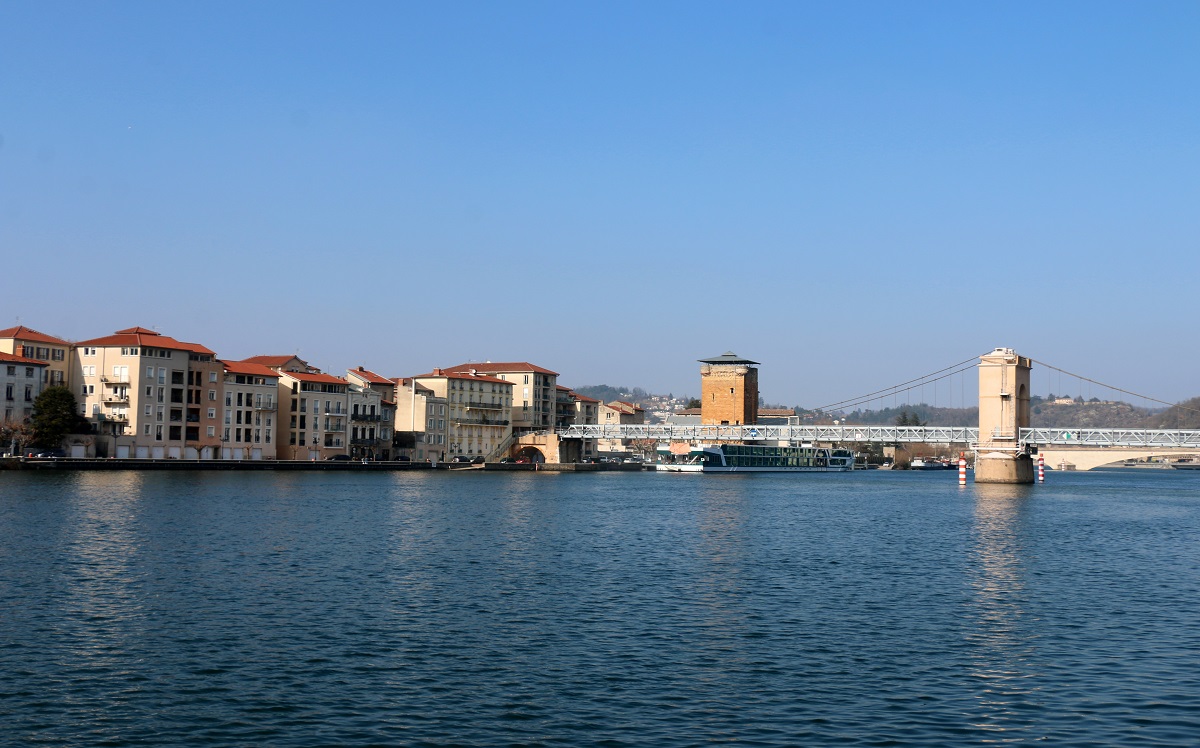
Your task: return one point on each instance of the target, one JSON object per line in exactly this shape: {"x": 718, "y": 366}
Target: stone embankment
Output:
{"x": 68, "y": 463}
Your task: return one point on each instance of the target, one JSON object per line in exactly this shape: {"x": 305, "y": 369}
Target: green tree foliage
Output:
{"x": 908, "y": 419}
{"x": 55, "y": 414}
{"x": 694, "y": 403}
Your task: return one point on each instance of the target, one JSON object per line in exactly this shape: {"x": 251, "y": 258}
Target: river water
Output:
{"x": 301, "y": 609}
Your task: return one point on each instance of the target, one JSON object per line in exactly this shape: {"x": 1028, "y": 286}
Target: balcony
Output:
{"x": 483, "y": 406}
{"x": 116, "y": 417}
{"x": 368, "y": 417}
{"x": 479, "y": 422}
{"x": 115, "y": 398}
{"x": 115, "y": 378}
{"x": 268, "y": 405}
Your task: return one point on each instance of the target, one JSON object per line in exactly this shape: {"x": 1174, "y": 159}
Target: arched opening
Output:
{"x": 529, "y": 453}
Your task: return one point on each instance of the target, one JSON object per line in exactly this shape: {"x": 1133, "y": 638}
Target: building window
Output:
{"x": 212, "y": 430}
{"x": 212, "y": 395}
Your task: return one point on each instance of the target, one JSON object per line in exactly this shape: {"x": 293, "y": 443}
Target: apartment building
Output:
{"x": 617, "y": 413}
{"x": 54, "y": 352}
{"x": 202, "y": 421}
{"x": 420, "y": 425}
{"x": 372, "y": 414}
{"x": 249, "y": 411}
{"x": 22, "y": 380}
{"x": 534, "y": 395}
{"x": 133, "y": 387}
{"x": 318, "y": 408}
{"x": 479, "y": 410}
{"x": 576, "y": 408}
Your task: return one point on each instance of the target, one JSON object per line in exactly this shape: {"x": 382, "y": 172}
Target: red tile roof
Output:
{"x": 488, "y": 367}
{"x": 139, "y": 336}
{"x": 272, "y": 360}
{"x": 254, "y": 370}
{"x": 369, "y": 376}
{"x": 306, "y": 377}
{"x": 450, "y": 374}
{"x": 197, "y": 348}
{"x": 20, "y": 332}
{"x": 624, "y": 407}
{"x": 11, "y": 359}
{"x": 583, "y": 398}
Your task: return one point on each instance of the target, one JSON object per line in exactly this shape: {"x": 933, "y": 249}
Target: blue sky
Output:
{"x": 853, "y": 194}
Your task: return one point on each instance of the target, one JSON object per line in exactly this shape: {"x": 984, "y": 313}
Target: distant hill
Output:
{"x": 608, "y": 393}
{"x": 1185, "y": 415}
{"x": 1078, "y": 413}
{"x": 926, "y": 414}
{"x": 1093, "y": 414}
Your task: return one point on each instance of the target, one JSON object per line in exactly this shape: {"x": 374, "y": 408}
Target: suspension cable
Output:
{"x": 846, "y": 404}
{"x": 1118, "y": 389}
{"x": 895, "y": 388}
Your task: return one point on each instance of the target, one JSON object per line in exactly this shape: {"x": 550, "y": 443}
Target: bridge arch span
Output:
{"x": 1087, "y": 459}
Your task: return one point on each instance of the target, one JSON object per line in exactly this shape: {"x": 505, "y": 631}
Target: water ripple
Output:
{"x": 599, "y": 610}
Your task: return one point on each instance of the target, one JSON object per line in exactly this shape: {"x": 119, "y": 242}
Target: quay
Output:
{"x": 69, "y": 463}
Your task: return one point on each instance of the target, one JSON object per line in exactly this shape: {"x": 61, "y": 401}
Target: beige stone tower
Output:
{"x": 728, "y": 390}
{"x": 1003, "y": 412}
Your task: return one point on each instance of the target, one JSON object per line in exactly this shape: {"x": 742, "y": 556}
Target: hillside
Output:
{"x": 1185, "y": 415}
{"x": 1043, "y": 412}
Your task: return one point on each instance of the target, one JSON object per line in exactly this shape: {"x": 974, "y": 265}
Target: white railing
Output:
{"x": 1084, "y": 437}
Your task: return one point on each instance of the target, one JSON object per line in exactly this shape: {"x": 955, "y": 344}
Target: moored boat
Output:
{"x": 746, "y": 458}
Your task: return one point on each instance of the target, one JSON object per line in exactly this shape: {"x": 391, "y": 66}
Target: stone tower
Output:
{"x": 728, "y": 390}
{"x": 1003, "y": 412}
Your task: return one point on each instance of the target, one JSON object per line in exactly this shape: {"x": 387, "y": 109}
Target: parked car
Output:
{"x": 48, "y": 453}
{"x": 338, "y": 458}
{"x": 508, "y": 460}
{"x": 460, "y": 458}
{"x": 477, "y": 461}
{"x": 403, "y": 458}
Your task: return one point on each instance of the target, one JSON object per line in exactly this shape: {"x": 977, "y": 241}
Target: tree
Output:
{"x": 13, "y": 435}
{"x": 908, "y": 419}
{"x": 55, "y": 414}
{"x": 693, "y": 403}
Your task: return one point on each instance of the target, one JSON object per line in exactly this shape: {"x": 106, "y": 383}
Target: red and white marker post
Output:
{"x": 962, "y": 468}
{"x": 1041, "y": 469}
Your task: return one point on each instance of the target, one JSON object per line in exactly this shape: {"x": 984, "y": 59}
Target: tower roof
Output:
{"x": 728, "y": 357}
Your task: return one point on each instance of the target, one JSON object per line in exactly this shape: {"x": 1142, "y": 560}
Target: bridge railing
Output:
{"x": 887, "y": 435}
{"x": 712, "y": 433}
{"x": 1111, "y": 437}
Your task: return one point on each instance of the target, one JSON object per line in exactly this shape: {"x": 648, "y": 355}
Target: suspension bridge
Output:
{"x": 1003, "y": 442}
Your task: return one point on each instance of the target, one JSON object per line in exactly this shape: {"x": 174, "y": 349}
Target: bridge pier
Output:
{"x": 1000, "y": 457}
{"x": 1003, "y": 467}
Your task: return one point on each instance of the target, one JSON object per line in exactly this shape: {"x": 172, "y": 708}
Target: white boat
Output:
{"x": 746, "y": 458}
{"x": 920, "y": 463}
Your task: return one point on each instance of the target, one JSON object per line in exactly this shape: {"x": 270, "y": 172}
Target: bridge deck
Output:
{"x": 890, "y": 434}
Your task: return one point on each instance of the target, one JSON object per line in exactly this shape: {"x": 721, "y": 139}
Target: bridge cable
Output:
{"x": 853, "y": 403}
{"x": 895, "y": 388}
{"x": 1118, "y": 389}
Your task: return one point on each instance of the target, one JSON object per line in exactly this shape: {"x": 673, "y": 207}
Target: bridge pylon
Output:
{"x": 1000, "y": 457}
